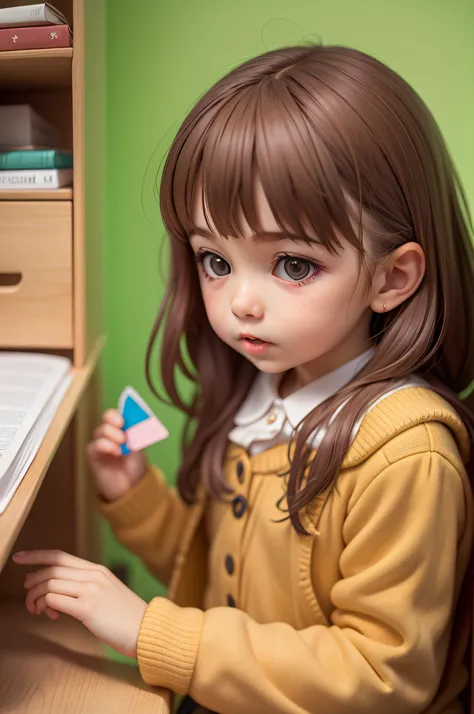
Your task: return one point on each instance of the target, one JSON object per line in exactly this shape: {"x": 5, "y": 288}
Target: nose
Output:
{"x": 246, "y": 302}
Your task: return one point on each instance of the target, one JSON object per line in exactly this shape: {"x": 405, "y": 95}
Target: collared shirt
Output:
{"x": 265, "y": 419}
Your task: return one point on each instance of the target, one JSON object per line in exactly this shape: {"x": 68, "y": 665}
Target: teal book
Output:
{"x": 35, "y": 159}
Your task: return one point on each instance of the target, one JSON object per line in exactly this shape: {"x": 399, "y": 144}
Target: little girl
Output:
{"x": 320, "y": 300}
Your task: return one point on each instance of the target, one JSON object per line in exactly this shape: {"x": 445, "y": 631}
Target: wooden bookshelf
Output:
{"x": 36, "y": 69}
{"x": 60, "y": 194}
{"x": 53, "y": 667}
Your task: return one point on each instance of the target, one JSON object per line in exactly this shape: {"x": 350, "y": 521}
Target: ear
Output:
{"x": 396, "y": 279}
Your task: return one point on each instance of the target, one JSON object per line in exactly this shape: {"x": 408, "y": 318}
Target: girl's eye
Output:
{"x": 215, "y": 266}
{"x": 294, "y": 269}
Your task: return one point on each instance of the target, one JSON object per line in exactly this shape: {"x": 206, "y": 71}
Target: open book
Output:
{"x": 32, "y": 387}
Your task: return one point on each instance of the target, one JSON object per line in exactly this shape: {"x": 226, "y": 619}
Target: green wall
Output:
{"x": 161, "y": 56}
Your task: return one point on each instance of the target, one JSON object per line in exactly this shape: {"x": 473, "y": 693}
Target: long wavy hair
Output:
{"x": 333, "y": 135}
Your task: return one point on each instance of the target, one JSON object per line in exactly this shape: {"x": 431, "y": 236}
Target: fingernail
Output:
{"x": 20, "y": 554}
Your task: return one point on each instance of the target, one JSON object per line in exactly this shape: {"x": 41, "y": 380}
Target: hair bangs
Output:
{"x": 263, "y": 134}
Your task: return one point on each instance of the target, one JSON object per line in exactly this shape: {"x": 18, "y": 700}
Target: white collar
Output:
{"x": 264, "y": 393}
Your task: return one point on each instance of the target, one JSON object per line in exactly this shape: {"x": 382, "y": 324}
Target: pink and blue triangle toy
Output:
{"x": 142, "y": 428}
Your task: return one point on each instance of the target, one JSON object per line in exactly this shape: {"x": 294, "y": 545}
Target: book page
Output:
{"x": 23, "y": 459}
{"x": 27, "y": 383}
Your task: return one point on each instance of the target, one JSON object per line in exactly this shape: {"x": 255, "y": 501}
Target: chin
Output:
{"x": 268, "y": 366}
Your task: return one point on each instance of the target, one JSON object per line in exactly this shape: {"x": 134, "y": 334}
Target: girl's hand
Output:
{"x": 114, "y": 472}
{"x": 87, "y": 591}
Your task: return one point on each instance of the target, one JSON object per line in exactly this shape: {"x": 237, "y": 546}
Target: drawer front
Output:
{"x": 36, "y": 274}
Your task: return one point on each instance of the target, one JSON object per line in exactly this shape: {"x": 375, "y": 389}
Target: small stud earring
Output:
{"x": 384, "y": 307}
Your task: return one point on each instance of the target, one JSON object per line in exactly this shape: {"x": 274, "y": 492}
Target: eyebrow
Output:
{"x": 264, "y": 237}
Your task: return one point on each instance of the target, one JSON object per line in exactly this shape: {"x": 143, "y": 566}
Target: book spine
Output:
{"x": 35, "y": 38}
{"x": 29, "y": 179}
{"x": 49, "y": 159}
{"x": 27, "y": 15}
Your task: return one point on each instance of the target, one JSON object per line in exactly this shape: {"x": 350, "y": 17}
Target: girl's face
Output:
{"x": 283, "y": 303}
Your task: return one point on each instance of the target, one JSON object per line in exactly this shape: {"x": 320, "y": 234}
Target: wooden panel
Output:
{"x": 58, "y": 668}
{"x": 61, "y": 194}
{"x": 36, "y": 243}
{"x": 88, "y": 95}
{"x": 36, "y": 69}
{"x": 87, "y": 534}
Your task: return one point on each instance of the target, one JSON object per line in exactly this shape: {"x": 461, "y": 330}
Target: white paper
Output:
{"x": 31, "y": 388}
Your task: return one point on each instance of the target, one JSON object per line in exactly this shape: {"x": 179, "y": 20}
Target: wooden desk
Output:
{"x": 56, "y": 667}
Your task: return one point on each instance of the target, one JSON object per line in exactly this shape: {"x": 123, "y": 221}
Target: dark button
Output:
{"x": 240, "y": 471}
{"x": 229, "y": 564}
{"x": 231, "y": 600}
{"x": 239, "y": 506}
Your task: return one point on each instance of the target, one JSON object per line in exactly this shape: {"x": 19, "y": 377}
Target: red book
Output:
{"x": 35, "y": 38}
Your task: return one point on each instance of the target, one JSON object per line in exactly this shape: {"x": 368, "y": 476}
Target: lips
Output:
{"x": 255, "y": 346}
{"x": 254, "y": 339}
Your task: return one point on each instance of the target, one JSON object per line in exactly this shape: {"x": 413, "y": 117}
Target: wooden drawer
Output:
{"x": 36, "y": 274}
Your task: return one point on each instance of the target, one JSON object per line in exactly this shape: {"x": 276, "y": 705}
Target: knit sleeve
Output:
{"x": 386, "y": 647}
{"x": 148, "y": 520}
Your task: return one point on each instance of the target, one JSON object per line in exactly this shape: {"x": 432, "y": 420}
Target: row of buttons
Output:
{"x": 230, "y": 567}
{"x": 239, "y": 507}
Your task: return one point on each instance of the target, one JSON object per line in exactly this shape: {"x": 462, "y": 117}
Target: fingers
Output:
{"x": 53, "y": 557}
{"x": 108, "y": 437}
{"x": 56, "y": 572}
{"x": 67, "y": 584}
{"x": 42, "y": 607}
{"x": 64, "y": 603}
{"x": 52, "y": 614}
{"x": 103, "y": 447}
{"x": 108, "y": 431}
{"x": 71, "y": 588}
{"x": 112, "y": 416}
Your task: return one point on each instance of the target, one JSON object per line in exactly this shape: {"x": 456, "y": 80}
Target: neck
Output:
{"x": 298, "y": 377}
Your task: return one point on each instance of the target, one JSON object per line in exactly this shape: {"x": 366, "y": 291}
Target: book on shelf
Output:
{"x": 26, "y": 15}
{"x": 35, "y": 159}
{"x": 36, "y": 179}
{"x": 28, "y": 147}
{"x": 32, "y": 387}
{"x": 35, "y": 38}
{"x": 21, "y": 125}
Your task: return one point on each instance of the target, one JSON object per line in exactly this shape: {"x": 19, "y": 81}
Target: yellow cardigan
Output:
{"x": 355, "y": 618}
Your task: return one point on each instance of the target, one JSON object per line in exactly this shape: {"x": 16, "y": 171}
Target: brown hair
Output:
{"x": 316, "y": 125}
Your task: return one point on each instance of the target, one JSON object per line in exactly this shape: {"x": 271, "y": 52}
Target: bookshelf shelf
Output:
{"x": 60, "y": 194}
{"x": 55, "y": 667}
{"x": 11, "y": 521}
{"x": 36, "y": 69}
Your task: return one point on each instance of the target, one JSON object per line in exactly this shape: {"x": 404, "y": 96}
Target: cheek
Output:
{"x": 213, "y": 302}
{"x": 331, "y": 305}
